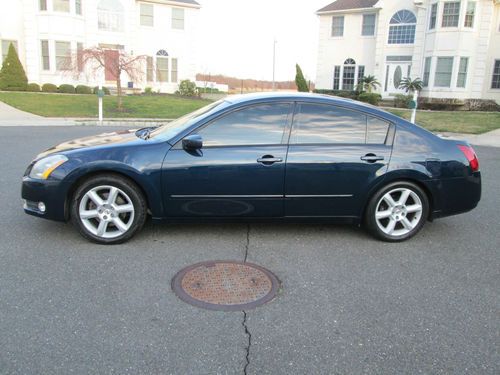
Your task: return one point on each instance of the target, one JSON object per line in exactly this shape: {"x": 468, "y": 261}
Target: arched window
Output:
{"x": 110, "y": 15}
{"x": 162, "y": 66}
{"x": 348, "y": 74}
{"x": 402, "y": 27}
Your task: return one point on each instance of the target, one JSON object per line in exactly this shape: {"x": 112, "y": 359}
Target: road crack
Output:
{"x": 249, "y": 343}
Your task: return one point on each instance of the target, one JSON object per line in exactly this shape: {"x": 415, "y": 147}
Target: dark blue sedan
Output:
{"x": 258, "y": 157}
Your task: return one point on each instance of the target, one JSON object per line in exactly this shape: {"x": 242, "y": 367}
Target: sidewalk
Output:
{"x": 10, "y": 116}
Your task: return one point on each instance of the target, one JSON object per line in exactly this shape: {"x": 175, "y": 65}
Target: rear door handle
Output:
{"x": 371, "y": 158}
{"x": 269, "y": 159}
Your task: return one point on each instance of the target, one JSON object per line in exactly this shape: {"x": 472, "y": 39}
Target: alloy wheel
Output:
{"x": 106, "y": 211}
{"x": 398, "y": 212}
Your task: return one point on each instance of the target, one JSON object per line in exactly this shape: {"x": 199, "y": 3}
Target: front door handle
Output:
{"x": 269, "y": 159}
{"x": 371, "y": 158}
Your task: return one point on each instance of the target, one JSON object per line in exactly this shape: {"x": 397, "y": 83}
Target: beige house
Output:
{"x": 453, "y": 46}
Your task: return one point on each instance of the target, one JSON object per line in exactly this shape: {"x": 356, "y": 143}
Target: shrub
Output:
{"x": 33, "y": 87}
{"x": 148, "y": 91}
{"x": 372, "y": 98}
{"x": 402, "y": 101}
{"x": 66, "y": 89}
{"x": 12, "y": 75}
{"x": 300, "y": 81}
{"x": 82, "y": 89}
{"x": 105, "y": 89}
{"x": 341, "y": 93}
{"x": 49, "y": 87}
{"x": 187, "y": 88}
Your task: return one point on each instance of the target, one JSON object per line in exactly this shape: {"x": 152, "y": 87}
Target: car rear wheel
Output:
{"x": 108, "y": 209}
{"x": 397, "y": 211}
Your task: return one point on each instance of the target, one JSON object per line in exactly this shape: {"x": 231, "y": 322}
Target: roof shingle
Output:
{"x": 348, "y": 5}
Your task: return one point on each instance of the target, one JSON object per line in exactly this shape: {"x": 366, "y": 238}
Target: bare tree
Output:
{"x": 114, "y": 62}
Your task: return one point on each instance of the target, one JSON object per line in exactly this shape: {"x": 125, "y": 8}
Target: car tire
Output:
{"x": 397, "y": 212}
{"x": 108, "y": 209}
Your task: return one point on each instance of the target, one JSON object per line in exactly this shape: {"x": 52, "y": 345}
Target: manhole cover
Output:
{"x": 225, "y": 285}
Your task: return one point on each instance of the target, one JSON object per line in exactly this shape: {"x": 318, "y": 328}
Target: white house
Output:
{"x": 452, "y": 45}
{"x": 46, "y": 32}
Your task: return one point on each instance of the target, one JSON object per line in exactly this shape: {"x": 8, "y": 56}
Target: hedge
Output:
{"x": 66, "y": 89}
{"x": 105, "y": 89}
{"x": 372, "y": 98}
{"x": 49, "y": 87}
{"x": 33, "y": 87}
{"x": 82, "y": 89}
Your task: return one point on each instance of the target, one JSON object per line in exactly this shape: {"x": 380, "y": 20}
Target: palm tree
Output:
{"x": 368, "y": 83}
{"x": 410, "y": 85}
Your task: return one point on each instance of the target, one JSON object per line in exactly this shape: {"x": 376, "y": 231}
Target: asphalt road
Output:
{"x": 349, "y": 304}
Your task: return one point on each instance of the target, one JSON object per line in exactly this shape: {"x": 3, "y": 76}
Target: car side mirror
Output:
{"x": 192, "y": 142}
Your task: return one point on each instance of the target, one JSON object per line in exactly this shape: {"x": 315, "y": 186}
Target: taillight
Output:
{"x": 471, "y": 157}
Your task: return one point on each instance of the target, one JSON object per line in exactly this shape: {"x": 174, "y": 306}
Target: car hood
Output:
{"x": 104, "y": 139}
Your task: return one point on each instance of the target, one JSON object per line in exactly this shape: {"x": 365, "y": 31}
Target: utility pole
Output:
{"x": 274, "y": 60}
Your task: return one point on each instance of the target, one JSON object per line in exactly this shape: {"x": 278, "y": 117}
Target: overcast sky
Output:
{"x": 236, "y": 37}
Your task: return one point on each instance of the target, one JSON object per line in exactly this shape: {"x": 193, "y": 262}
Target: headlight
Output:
{"x": 44, "y": 167}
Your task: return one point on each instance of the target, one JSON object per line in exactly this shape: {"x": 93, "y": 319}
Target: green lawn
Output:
{"x": 170, "y": 106}
{"x": 59, "y": 105}
{"x": 454, "y": 122}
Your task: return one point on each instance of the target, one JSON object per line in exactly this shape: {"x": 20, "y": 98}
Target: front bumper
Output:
{"x": 50, "y": 192}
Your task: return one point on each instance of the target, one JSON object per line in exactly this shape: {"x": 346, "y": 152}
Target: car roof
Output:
{"x": 297, "y": 96}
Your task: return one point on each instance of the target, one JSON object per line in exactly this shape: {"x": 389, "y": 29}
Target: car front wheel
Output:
{"x": 397, "y": 211}
{"x": 108, "y": 209}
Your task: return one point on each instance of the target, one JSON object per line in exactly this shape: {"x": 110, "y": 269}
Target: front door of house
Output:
{"x": 394, "y": 74}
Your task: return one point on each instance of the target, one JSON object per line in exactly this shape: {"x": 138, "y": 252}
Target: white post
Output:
{"x": 414, "y": 110}
{"x": 100, "y": 103}
{"x": 274, "y": 60}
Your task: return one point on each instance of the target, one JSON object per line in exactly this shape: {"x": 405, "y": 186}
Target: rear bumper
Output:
{"x": 49, "y": 192}
{"x": 458, "y": 195}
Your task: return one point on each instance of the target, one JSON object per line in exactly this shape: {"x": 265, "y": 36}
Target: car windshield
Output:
{"x": 174, "y": 127}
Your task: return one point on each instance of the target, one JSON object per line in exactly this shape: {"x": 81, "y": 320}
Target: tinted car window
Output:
{"x": 256, "y": 125}
{"x": 319, "y": 123}
{"x": 377, "y": 130}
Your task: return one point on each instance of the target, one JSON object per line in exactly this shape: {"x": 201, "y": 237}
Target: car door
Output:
{"x": 335, "y": 154}
{"x": 238, "y": 172}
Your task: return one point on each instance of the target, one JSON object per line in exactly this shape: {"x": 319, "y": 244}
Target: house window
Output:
{"x": 469, "y": 14}
{"x": 336, "y": 77}
{"x": 162, "y": 66}
{"x": 402, "y": 28}
{"x": 444, "y": 68}
{"x": 147, "y": 15}
{"x": 42, "y": 4}
{"x": 368, "y": 25}
{"x": 348, "y": 75}
{"x": 432, "y": 21}
{"x": 462, "y": 72}
{"x": 79, "y": 56}
{"x": 44, "y": 44}
{"x": 338, "y": 26}
{"x": 451, "y": 14}
{"x": 149, "y": 69}
{"x": 110, "y": 15}
{"x": 495, "y": 82}
{"x": 174, "y": 70}
{"x": 5, "y": 48}
{"x": 178, "y": 18}
{"x": 361, "y": 73}
{"x": 78, "y": 7}
{"x": 427, "y": 71}
{"x": 61, "y": 5}
{"x": 63, "y": 57}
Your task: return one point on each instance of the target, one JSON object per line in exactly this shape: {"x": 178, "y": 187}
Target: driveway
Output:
{"x": 349, "y": 304}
